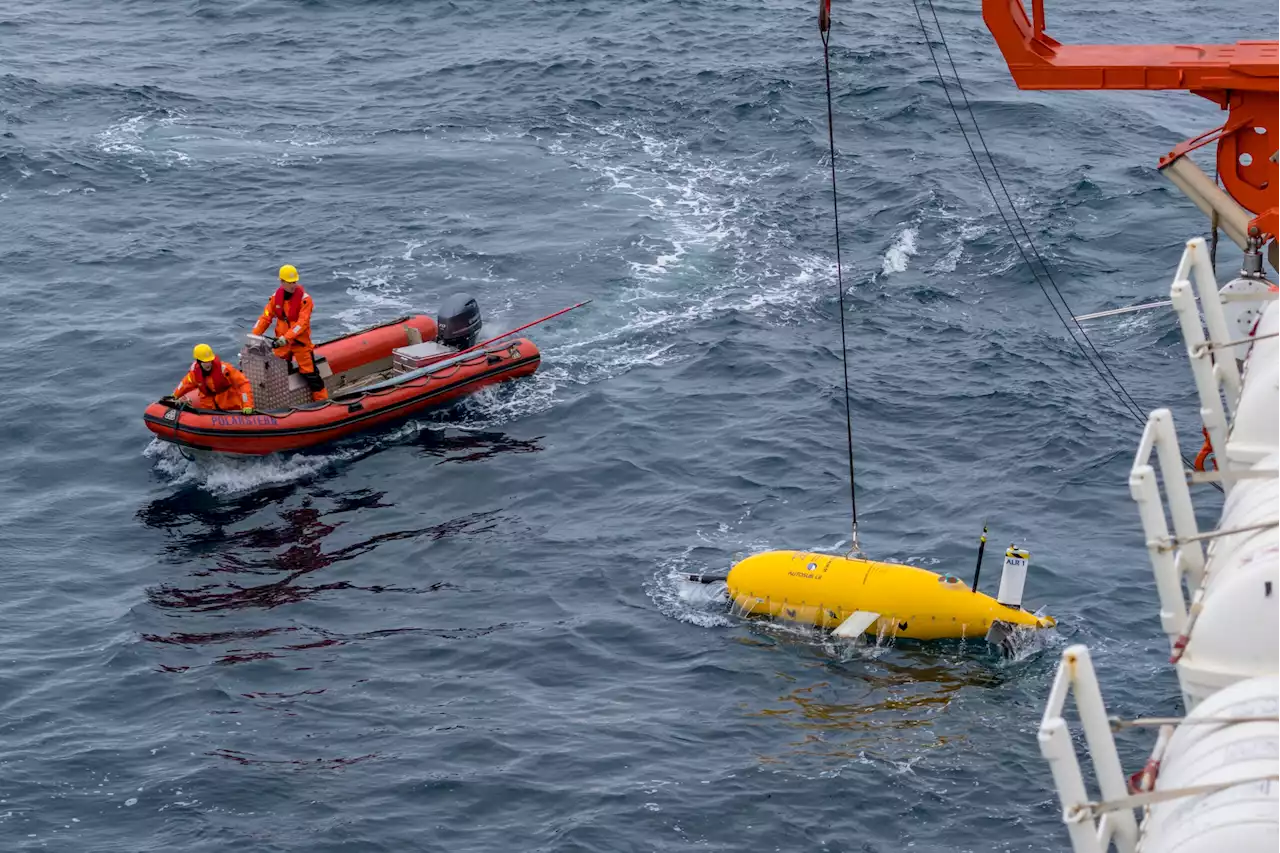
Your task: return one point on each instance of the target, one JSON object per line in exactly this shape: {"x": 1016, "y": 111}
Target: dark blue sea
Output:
{"x": 468, "y": 632}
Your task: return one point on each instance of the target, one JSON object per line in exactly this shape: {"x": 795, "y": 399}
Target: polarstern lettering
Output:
{"x": 244, "y": 420}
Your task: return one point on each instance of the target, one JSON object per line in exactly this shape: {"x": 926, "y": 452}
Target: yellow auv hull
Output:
{"x": 823, "y": 590}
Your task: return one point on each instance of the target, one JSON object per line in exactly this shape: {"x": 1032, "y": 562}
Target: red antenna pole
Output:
{"x": 522, "y": 328}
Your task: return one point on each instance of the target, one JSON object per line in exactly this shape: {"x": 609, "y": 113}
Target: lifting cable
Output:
{"x": 824, "y": 28}
{"x": 1091, "y": 355}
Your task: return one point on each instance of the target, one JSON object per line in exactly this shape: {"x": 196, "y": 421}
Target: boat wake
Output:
{"x": 224, "y": 475}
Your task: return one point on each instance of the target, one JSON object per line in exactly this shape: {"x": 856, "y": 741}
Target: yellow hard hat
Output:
{"x": 203, "y": 352}
{"x": 288, "y": 272}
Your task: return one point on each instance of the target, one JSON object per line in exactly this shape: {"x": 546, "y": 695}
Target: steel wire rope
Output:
{"x": 1101, "y": 367}
{"x": 824, "y": 28}
{"x": 1014, "y": 210}
{"x": 1129, "y": 405}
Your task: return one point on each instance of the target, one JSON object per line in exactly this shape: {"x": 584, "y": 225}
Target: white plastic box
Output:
{"x": 419, "y": 355}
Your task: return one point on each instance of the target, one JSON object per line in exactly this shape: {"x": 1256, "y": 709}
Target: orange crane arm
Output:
{"x": 1039, "y": 61}
{"x": 1241, "y": 78}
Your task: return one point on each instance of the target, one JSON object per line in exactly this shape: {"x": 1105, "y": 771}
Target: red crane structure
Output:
{"x": 1240, "y": 78}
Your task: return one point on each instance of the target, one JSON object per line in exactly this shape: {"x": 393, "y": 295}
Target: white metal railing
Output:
{"x": 1178, "y": 559}
{"x": 1097, "y": 825}
{"x": 1092, "y": 830}
{"x": 1196, "y": 268}
{"x": 1214, "y": 378}
{"x": 1180, "y": 556}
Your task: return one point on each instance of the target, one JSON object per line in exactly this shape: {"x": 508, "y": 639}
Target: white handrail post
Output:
{"x": 1145, "y": 493}
{"x": 1190, "y": 554}
{"x": 1214, "y": 318}
{"x": 1102, "y": 747}
{"x": 1056, "y": 747}
{"x": 1211, "y": 409}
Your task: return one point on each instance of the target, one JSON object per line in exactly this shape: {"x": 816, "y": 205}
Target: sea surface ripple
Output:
{"x": 467, "y": 632}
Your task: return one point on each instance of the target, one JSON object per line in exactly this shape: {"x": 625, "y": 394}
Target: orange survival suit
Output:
{"x": 292, "y": 313}
{"x": 224, "y": 387}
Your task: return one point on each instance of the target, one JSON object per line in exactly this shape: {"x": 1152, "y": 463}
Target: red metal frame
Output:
{"x": 1241, "y": 78}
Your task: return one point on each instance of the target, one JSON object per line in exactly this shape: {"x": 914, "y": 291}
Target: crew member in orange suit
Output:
{"x": 291, "y": 309}
{"x": 220, "y": 385}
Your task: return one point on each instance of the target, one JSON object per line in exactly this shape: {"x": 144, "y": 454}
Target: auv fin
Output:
{"x": 856, "y": 625}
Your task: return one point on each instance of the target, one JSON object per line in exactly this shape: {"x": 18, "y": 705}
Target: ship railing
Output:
{"x": 1094, "y": 825}
{"x": 1208, "y": 316}
{"x": 1178, "y": 557}
{"x": 1215, "y": 327}
{"x": 1215, "y": 378}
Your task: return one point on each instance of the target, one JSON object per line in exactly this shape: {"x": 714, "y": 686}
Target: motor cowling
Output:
{"x": 458, "y": 322}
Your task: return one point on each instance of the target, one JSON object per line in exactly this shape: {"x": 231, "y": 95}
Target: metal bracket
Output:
{"x": 1170, "y": 543}
{"x": 1232, "y": 476}
{"x": 1200, "y": 349}
{"x": 1118, "y": 723}
{"x": 1264, "y": 296}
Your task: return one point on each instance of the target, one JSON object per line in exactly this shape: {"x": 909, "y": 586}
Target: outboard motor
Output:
{"x": 458, "y": 322}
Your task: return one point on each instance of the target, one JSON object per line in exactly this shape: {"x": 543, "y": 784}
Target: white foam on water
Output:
{"x": 221, "y": 474}
{"x": 699, "y": 205}
{"x": 305, "y": 137}
{"x": 702, "y": 205}
{"x": 653, "y": 178}
{"x": 170, "y": 138}
{"x": 123, "y": 137}
{"x": 902, "y": 250}
{"x": 562, "y": 370}
{"x": 704, "y": 604}
{"x": 495, "y": 405}
{"x": 130, "y": 138}
{"x": 968, "y": 231}
{"x": 287, "y": 160}
{"x": 701, "y": 604}
{"x": 448, "y": 265}
{"x": 669, "y": 314}
{"x": 1025, "y": 644}
{"x": 379, "y": 294}
{"x": 1128, "y": 326}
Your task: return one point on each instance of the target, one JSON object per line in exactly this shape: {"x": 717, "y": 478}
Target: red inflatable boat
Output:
{"x": 373, "y": 376}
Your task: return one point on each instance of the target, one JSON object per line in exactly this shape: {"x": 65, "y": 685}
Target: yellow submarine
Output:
{"x": 851, "y": 597}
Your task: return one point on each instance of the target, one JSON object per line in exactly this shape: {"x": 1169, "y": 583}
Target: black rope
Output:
{"x": 1101, "y": 367}
{"x": 1022, "y": 226}
{"x": 1132, "y": 407}
{"x": 824, "y": 27}
{"x": 1213, "y": 222}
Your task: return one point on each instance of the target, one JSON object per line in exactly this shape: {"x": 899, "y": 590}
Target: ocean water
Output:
{"x": 467, "y": 632}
